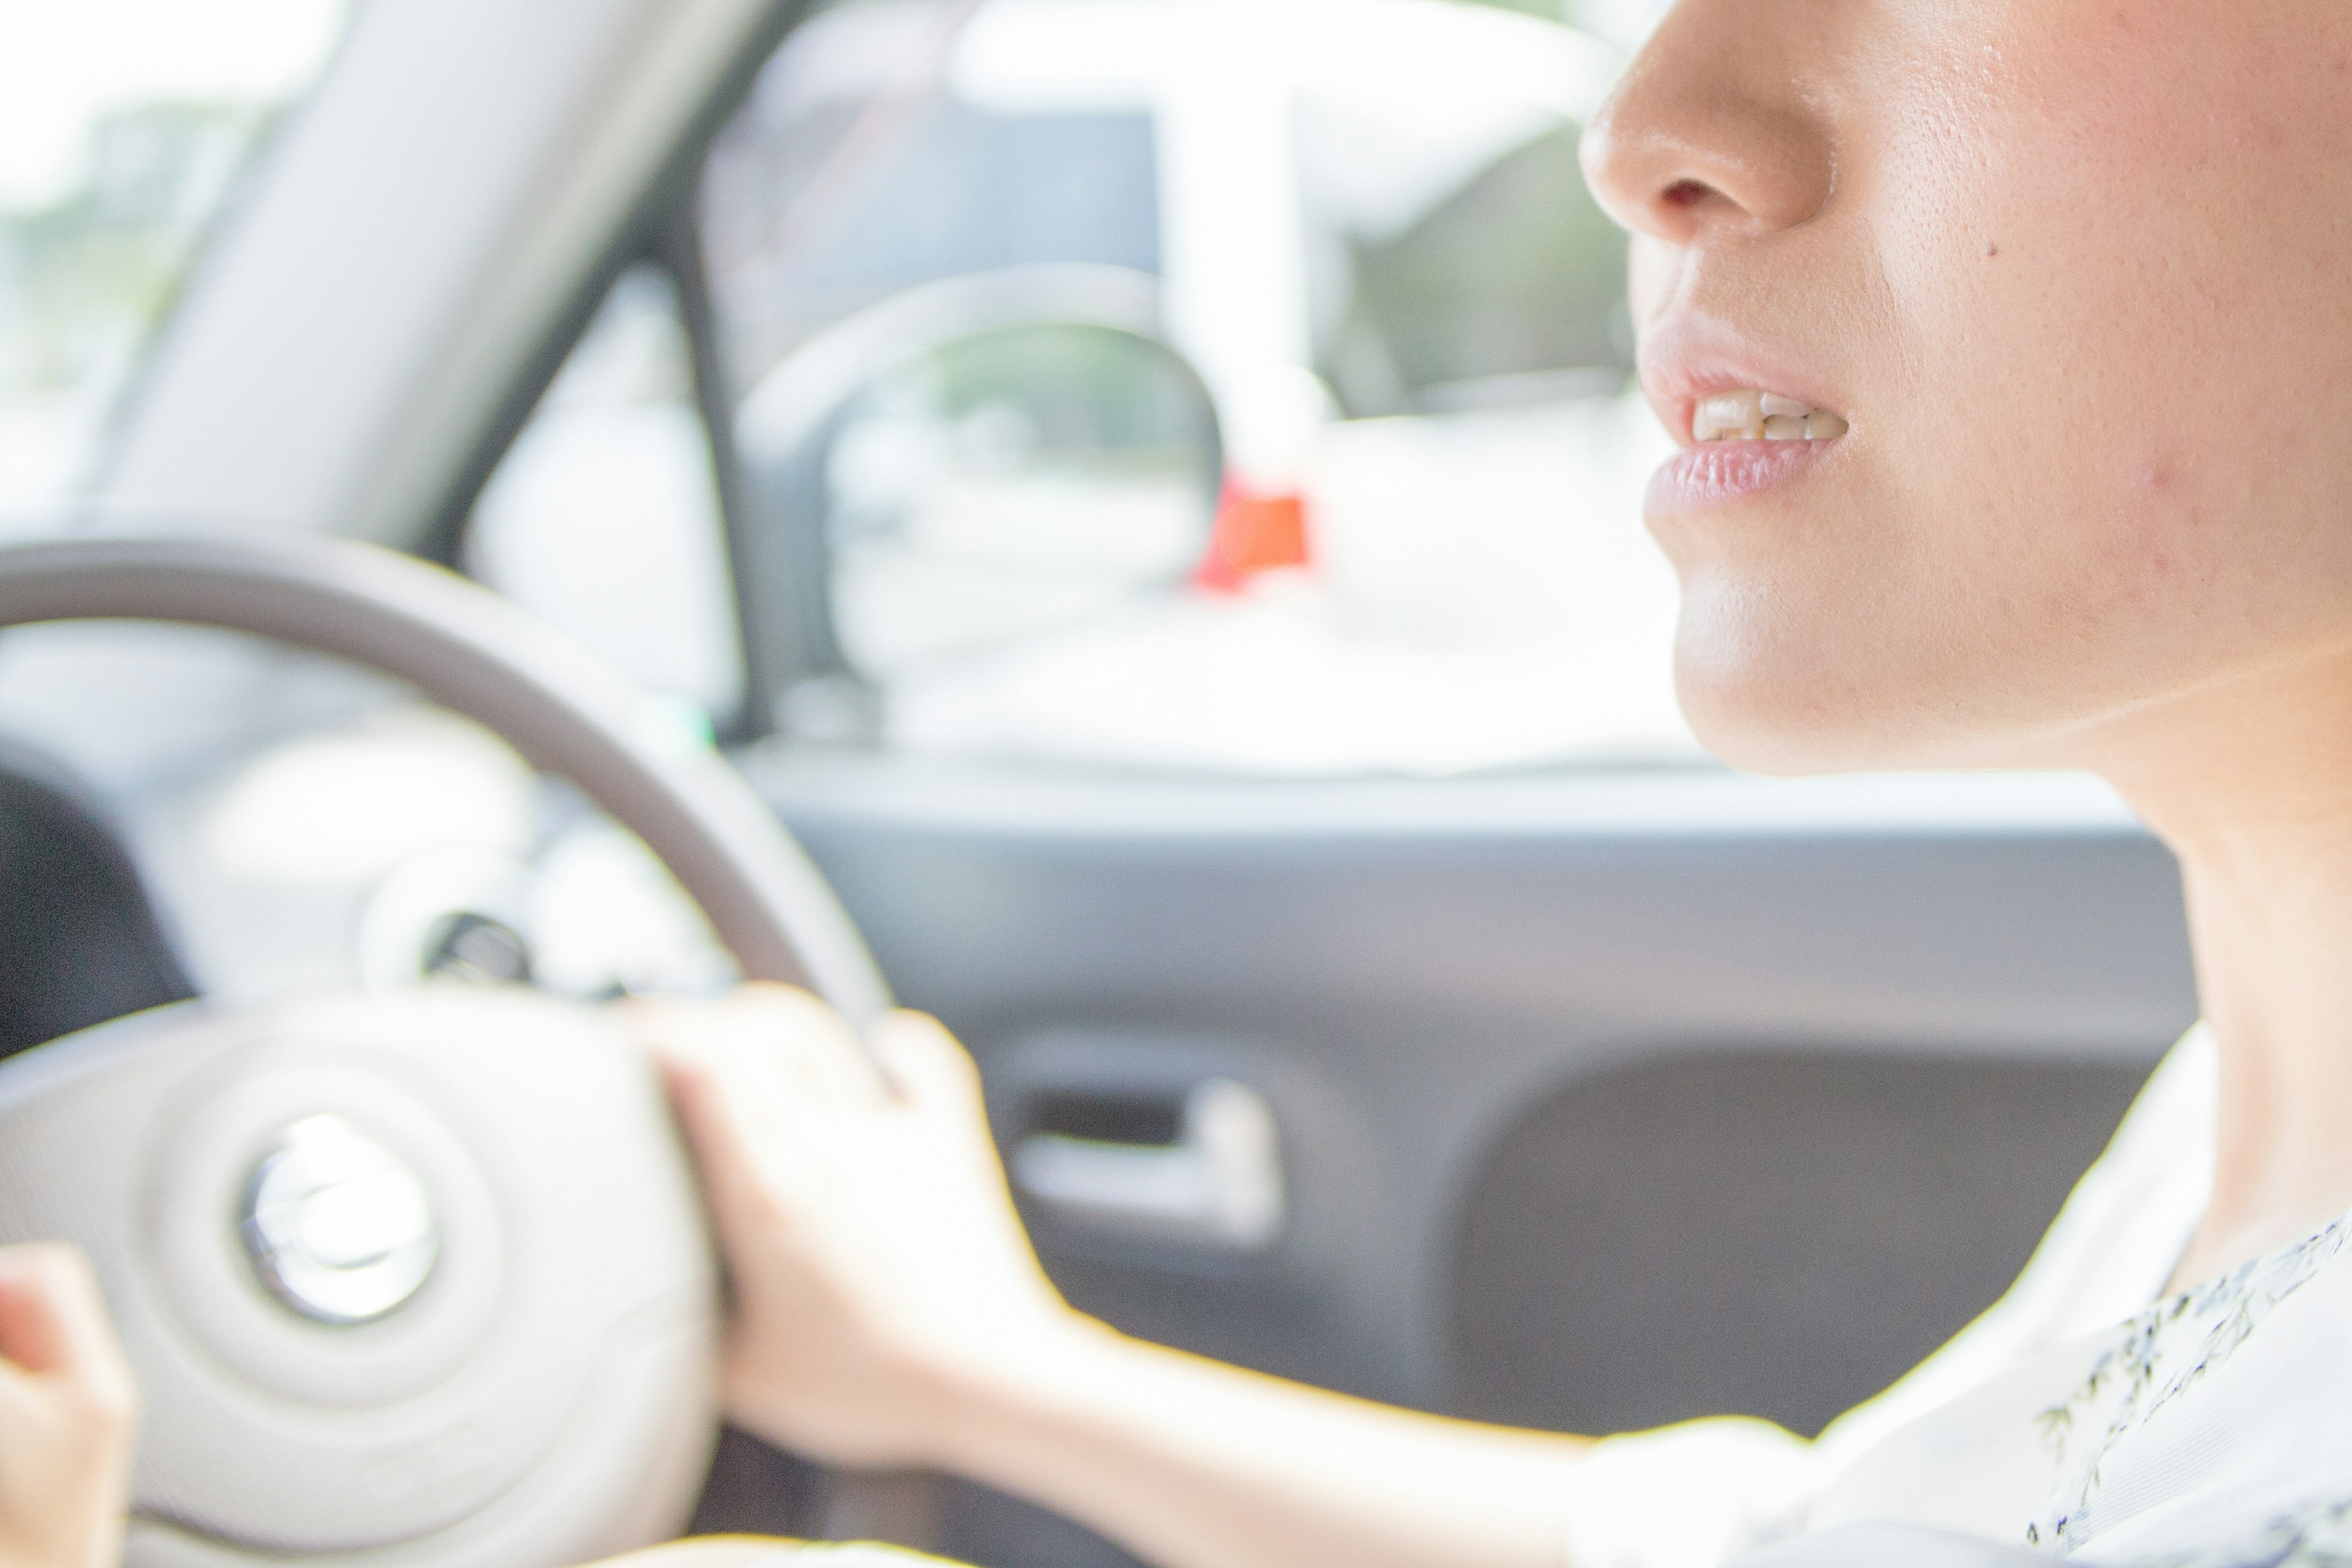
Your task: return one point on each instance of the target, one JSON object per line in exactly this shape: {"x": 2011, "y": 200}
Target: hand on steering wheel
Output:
{"x": 68, "y": 1407}
{"x": 877, "y": 1264}
{"x": 414, "y": 1275}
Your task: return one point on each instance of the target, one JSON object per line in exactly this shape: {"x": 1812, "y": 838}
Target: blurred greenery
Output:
{"x": 1516, "y": 275}
{"x": 86, "y": 275}
{"x": 1059, "y": 397}
{"x": 1079, "y": 388}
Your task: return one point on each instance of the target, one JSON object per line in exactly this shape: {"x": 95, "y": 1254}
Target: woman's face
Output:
{"x": 2076, "y": 275}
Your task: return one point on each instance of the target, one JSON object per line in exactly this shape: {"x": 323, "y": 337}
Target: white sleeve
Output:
{"x": 1690, "y": 1495}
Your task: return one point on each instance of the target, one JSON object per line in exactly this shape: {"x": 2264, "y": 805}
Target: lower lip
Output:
{"x": 1716, "y": 472}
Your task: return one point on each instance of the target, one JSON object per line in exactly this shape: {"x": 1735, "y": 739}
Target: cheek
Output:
{"x": 2096, "y": 265}
{"x": 2115, "y": 238}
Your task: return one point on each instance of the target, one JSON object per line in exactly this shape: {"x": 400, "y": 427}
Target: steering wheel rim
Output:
{"x": 138, "y": 1114}
{"x": 464, "y": 647}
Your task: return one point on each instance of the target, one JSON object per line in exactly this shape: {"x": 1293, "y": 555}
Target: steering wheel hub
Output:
{"x": 338, "y": 1227}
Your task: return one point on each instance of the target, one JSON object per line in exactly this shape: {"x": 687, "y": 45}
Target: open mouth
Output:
{"x": 1743, "y": 441}
{"x": 1747, "y": 414}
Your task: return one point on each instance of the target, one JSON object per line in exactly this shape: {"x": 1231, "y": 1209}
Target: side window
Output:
{"x": 604, "y": 517}
{"x": 1190, "y": 387}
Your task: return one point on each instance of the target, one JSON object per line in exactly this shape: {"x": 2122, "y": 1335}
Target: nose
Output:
{"x": 1714, "y": 132}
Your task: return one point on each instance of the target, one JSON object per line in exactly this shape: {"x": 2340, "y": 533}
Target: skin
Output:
{"x": 890, "y": 1313}
{"x": 2074, "y": 273}
{"x": 67, "y": 1414}
{"x": 2071, "y": 272}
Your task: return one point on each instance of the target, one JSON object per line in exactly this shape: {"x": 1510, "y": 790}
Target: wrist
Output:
{"x": 1046, "y": 1379}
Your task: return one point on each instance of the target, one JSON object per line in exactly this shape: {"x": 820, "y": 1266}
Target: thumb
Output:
{"x": 717, "y": 1140}
{"x": 930, "y": 1068}
{"x": 53, "y": 1320}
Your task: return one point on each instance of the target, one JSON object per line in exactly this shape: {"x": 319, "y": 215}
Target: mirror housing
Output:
{"x": 963, "y": 466}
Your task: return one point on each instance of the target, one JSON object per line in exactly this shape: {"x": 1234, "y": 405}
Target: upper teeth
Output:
{"x": 1749, "y": 414}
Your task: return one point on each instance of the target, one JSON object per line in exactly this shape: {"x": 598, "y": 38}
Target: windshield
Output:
{"x": 124, "y": 128}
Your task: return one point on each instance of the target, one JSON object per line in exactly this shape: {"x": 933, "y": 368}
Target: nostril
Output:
{"x": 1684, "y": 194}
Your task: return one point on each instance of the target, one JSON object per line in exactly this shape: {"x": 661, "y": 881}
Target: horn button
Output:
{"x": 337, "y": 1225}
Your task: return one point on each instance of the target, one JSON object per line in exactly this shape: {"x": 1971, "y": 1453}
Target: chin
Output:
{"x": 1763, "y": 691}
{"x": 1783, "y": 724}
{"x": 1772, "y": 739}
{"x": 1797, "y": 716}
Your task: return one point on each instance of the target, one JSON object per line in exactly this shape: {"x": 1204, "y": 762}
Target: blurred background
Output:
{"x": 1246, "y": 398}
{"x": 123, "y": 130}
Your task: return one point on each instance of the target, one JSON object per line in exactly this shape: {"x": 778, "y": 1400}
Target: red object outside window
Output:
{"x": 1252, "y": 533}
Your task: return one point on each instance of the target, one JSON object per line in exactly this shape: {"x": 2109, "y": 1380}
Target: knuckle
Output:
{"x": 775, "y": 998}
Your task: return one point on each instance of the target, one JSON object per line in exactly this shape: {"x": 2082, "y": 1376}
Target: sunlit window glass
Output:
{"x": 124, "y": 128}
{"x": 1194, "y": 384}
{"x": 603, "y": 518}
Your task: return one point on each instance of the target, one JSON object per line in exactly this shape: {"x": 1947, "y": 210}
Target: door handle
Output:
{"x": 1220, "y": 1183}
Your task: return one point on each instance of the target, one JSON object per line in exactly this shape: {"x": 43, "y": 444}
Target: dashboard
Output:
{"x": 189, "y": 812}
{"x": 83, "y": 941}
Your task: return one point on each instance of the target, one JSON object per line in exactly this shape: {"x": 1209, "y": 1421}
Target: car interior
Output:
{"x": 628, "y": 495}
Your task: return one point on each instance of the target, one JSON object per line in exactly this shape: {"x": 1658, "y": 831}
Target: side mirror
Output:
{"x": 970, "y": 466}
{"x": 1009, "y": 482}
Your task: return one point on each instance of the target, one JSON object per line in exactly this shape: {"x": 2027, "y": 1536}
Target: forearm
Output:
{"x": 890, "y": 1311}
{"x": 1192, "y": 1464}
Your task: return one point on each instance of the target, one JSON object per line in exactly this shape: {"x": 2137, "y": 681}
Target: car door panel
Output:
{"x": 1602, "y": 1101}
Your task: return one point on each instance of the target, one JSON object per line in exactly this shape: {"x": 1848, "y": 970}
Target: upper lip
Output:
{"x": 1687, "y": 357}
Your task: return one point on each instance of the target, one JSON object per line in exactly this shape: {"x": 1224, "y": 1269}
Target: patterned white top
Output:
{"x": 2170, "y": 1355}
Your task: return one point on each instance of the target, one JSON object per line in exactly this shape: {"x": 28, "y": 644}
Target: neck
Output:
{"x": 2251, "y": 788}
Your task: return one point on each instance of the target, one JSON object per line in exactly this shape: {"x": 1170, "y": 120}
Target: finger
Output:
{"x": 673, "y": 1034}
{"x": 784, "y": 1054}
{"x": 668, "y": 1026}
{"x": 929, "y": 1066}
{"x": 818, "y": 1049}
{"x": 740, "y": 1102}
{"x": 741, "y": 1201}
{"x": 53, "y": 1319}
{"x": 720, "y": 1041}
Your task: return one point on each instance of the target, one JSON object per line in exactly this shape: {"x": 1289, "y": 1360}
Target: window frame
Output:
{"x": 663, "y": 232}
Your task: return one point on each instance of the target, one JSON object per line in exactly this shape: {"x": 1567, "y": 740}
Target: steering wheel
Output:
{"x": 418, "y": 1278}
